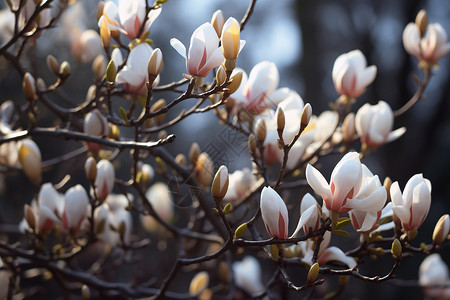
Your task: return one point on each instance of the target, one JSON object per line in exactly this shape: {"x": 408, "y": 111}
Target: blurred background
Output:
{"x": 303, "y": 38}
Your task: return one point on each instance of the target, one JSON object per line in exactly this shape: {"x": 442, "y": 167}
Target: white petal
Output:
{"x": 336, "y": 254}
{"x": 178, "y": 46}
{"x": 318, "y": 182}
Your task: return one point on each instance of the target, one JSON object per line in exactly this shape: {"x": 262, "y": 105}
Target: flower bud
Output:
{"x": 101, "y": 6}
{"x": 29, "y": 86}
{"x": 155, "y": 63}
{"x": 156, "y": 107}
{"x": 85, "y": 292}
{"x": 306, "y": 115}
{"x": 99, "y": 66}
{"x": 219, "y": 186}
{"x": 217, "y": 21}
{"x": 240, "y": 231}
{"x": 194, "y": 152}
{"x": 396, "y": 249}
{"x": 104, "y": 182}
{"x": 252, "y": 142}
{"x": 274, "y": 213}
{"x": 105, "y": 33}
{"x": 261, "y": 131}
{"x": 75, "y": 210}
{"x": 312, "y": 274}
{"x": 204, "y": 169}
{"x": 348, "y": 128}
{"x": 95, "y": 124}
{"x": 221, "y": 76}
{"x": 40, "y": 84}
{"x": 422, "y": 22}
{"x": 64, "y": 69}
{"x": 181, "y": 159}
{"x": 147, "y": 174}
{"x": 90, "y": 168}
{"x": 53, "y": 64}
{"x": 230, "y": 39}
{"x": 441, "y": 230}
{"x": 29, "y": 216}
{"x": 387, "y": 185}
{"x": 30, "y": 160}
{"x": 199, "y": 283}
{"x": 280, "y": 122}
{"x": 111, "y": 71}
{"x": 236, "y": 80}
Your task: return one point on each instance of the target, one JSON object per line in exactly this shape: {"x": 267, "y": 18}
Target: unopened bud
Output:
{"x": 221, "y": 75}
{"x": 280, "y": 122}
{"x": 228, "y": 208}
{"x": 40, "y": 84}
{"x": 30, "y": 160}
{"x": 111, "y": 71}
{"x": 100, "y": 8}
{"x": 99, "y": 66}
{"x": 85, "y": 292}
{"x": 229, "y": 64}
{"x": 105, "y": 33}
{"x": 194, "y": 152}
{"x": 147, "y": 174}
{"x": 348, "y": 128}
{"x": 53, "y": 64}
{"x": 219, "y": 186}
{"x": 261, "y": 131}
{"x": 90, "y": 168}
{"x": 274, "y": 251}
{"x": 114, "y": 132}
{"x": 396, "y": 249}
{"x": 217, "y": 21}
{"x": 199, "y": 283}
{"x": 156, "y": 107}
{"x": 155, "y": 63}
{"x": 441, "y": 230}
{"x": 422, "y": 22}
{"x": 181, "y": 159}
{"x": 387, "y": 185}
{"x": 29, "y": 216}
{"x": 230, "y": 39}
{"x": 240, "y": 231}
{"x": 64, "y": 69}
{"x": 204, "y": 169}
{"x": 236, "y": 80}
{"x": 306, "y": 115}
{"x": 312, "y": 274}
{"x": 252, "y": 142}
{"x": 411, "y": 234}
{"x": 29, "y": 86}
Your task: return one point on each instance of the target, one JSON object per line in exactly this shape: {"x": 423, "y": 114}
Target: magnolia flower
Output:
{"x": 86, "y": 46}
{"x": 26, "y": 12}
{"x": 274, "y": 213}
{"x": 240, "y": 181}
{"x": 50, "y": 207}
{"x": 220, "y": 183}
{"x": 374, "y": 124}
{"x": 30, "y": 159}
{"x": 258, "y": 91}
{"x": 434, "y": 277}
{"x": 231, "y": 43}
{"x": 413, "y": 205}
{"x": 326, "y": 253}
{"x": 104, "y": 181}
{"x": 431, "y": 47}
{"x": 351, "y": 75}
{"x": 292, "y": 107}
{"x": 247, "y": 275}
{"x": 204, "y": 52}
{"x": 95, "y": 124}
{"x": 134, "y": 75}
{"x": 344, "y": 184}
{"x": 128, "y": 16}
{"x": 160, "y": 198}
{"x": 309, "y": 214}
{"x": 76, "y": 207}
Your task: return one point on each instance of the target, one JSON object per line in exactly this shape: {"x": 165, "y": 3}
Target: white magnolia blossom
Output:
{"x": 230, "y": 38}
{"x": 134, "y": 75}
{"x": 204, "y": 51}
{"x": 76, "y": 207}
{"x": 240, "y": 181}
{"x": 50, "y": 207}
{"x": 28, "y": 10}
{"x": 310, "y": 213}
{"x": 431, "y": 47}
{"x": 104, "y": 181}
{"x": 374, "y": 124}
{"x": 247, "y": 275}
{"x": 127, "y": 17}
{"x": 259, "y": 90}
{"x": 274, "y": 213}
{"x": 412, "y": 206}
{"x": 160, "y": 197}
{"x": 351, "y": 75}
{"x": 434, "y": 277}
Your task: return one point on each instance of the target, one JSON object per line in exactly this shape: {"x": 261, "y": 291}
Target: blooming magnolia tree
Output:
{"x": 79, "y": 234}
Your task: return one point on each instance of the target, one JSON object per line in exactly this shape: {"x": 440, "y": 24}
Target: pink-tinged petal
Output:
{"x": 336, "y": 254}
{"x": 309, "y": 214}
{"x": 396, "y": 194}
{"x": 409, "y": 189}
{"x": 318, "y": 183}
{"x": 411, "y": 39}
{"x": 215, "y": 60}
{"x": 178, "y": 46}
{"x": 346, "y": 177}
{"x": 262, "y": 81}
{"x": 369, "y": 221}
{"x": 372, "y": 203}
{"x": 339, "y": 79}
{"x": 152, "y": 16}
{"x": 272, "y": 207}
{"x": 128, "y": 75}
{"x": 393, "y": 135}
{"x": 129, "y": 16}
